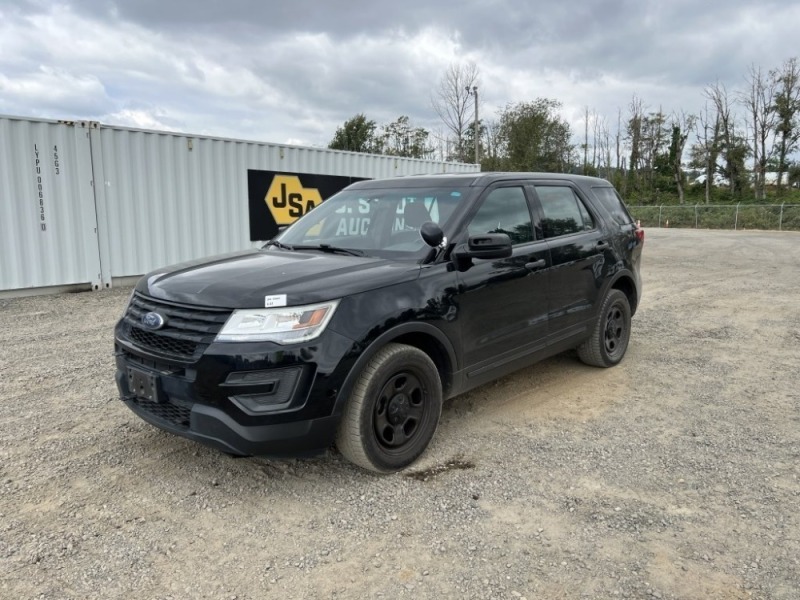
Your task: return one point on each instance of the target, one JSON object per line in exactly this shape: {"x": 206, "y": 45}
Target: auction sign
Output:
{"x": 278, "y": 198}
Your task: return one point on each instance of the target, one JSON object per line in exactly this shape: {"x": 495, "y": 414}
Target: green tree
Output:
{"x": 654, "y": 161}
{"x": 732, "y": 147}
{"x": 634, "y": 139}
{"x": 793, "y": 173}
{"x": 400, "y": 138}
{"x": 357, "y": 135}
{"x": 468, "y": 142}
{"x": 787, "y": 107}
{"x": 682, "y": 125}
{"x": 649, "y": 137}
{"x": 533, "y": 137}
{"x": 736, "y": 152}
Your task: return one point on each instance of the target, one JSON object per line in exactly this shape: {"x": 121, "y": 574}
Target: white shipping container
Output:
{"x": 85, "y": 203}
{"x": 48, "y": 224}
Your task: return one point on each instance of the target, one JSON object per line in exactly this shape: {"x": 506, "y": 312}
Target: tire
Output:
{"x": 609, "y": 340}
{"x": 393, "y": 410}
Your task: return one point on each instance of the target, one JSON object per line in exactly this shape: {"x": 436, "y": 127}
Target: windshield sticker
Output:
{"x": 271, "y": 301}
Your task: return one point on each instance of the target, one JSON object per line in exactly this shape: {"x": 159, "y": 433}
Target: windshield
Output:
{"x": 378, "y": 222}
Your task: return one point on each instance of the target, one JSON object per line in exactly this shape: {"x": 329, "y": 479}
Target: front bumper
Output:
{"x": 255, "y": 398}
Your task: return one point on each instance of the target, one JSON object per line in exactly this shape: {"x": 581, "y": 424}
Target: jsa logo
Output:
{"x": 288, "y": 200}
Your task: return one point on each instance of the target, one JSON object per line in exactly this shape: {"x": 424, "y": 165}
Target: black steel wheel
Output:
{"x": 612, "y": 331}
{"x": 393, "y": 410}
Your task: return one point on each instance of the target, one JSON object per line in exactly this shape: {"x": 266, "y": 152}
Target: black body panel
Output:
{"x": 477, "y": 319}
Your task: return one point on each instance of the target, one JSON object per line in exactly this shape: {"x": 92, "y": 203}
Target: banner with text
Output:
{"x": 279, "y": 198}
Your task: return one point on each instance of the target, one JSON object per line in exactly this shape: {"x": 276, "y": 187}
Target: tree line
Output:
{"x": 738, "y": 146}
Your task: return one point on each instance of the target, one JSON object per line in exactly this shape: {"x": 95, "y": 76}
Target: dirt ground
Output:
{"x": 673, "y": 475}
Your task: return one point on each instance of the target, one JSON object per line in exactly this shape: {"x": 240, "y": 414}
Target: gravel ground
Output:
{"x": 673, "y": 475}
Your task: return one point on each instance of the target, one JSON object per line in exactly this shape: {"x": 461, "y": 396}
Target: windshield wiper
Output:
{"x": 279, "y": 245}
{"x": 332, "y": 249}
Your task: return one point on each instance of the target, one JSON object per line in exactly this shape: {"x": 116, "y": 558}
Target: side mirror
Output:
{"x": 431, "y": 234}
{"x": 489, "y": 245}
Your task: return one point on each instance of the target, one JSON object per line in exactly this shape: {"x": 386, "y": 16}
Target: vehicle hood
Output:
{"x": 243, "y": 279}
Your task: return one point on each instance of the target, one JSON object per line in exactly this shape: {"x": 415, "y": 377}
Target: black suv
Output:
{"x": 355, "y": 323}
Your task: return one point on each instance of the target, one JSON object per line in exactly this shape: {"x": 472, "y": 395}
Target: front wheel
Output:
{"x": 393, "y": 410}
{"x": 609, "y": 340}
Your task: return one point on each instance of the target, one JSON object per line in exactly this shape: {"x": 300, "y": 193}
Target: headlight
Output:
{"x": 285, "y": 325}
{"x": 128, "y": 303}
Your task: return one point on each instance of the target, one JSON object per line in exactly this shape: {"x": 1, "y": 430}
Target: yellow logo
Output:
{"x": 288, "y": 200}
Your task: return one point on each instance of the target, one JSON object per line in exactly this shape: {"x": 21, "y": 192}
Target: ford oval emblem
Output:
{"x": 153, "y": 320}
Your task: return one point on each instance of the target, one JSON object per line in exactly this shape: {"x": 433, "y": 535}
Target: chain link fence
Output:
{"x": 779, "y": 217}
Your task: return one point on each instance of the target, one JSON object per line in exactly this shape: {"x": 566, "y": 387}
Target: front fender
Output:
{"x": 389, "y": 336}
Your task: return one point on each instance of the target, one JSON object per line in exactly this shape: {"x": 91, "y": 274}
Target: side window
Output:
{"x": 564, "y": 213}
{"x": 504, "y": 210}
{"x": 588, "y": 222}
{"x": 610, "y": 200}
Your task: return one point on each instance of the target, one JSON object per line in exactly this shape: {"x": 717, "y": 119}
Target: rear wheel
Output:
{"x": 393, "y": 410}
{"x": 609, "y": 340}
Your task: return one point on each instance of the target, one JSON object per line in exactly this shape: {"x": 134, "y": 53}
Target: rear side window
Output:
{"x": 564, "y": 213}
{"x": 610, "y": 200}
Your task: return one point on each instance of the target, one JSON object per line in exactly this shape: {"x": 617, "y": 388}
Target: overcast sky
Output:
{"x": 292, "y": 71}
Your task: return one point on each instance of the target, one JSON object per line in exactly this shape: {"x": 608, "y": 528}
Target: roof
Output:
{"x": 474, "y": 179}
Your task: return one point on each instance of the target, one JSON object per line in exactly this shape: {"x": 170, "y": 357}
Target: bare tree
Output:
{"x": 706, "y": 150}
{"x": 586, "y": 140}
{"x": 603, "y": 141}
{"x": 759, "y": 100}
{"x": 451, "y": 101}
{"x": 591, "y": 119}
{"x": 597, "y": 127}
{"x": 440, "y": 143}
{"x": 619, "y": 165}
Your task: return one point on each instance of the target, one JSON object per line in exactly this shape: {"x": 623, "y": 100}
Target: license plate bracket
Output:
{"x": 143, "y": 384}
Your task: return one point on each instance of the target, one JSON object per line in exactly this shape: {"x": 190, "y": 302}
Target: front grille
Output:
{"x": 172, "y": 413}
{"x": 162, "y": 343}
{"x": 187, "y": 330}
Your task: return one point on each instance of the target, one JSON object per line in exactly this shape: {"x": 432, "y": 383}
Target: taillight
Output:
{"x": 639, "y": 232}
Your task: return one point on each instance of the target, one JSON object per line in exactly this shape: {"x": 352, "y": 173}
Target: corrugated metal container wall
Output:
{"x": 81, "y": 203}
{"x": 47, "y": 213}
{"x": 169, "y": 198}
{"x": 174, "y": 197}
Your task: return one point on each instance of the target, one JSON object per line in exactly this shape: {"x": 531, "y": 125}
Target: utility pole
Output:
{"x": 474, "y": 92}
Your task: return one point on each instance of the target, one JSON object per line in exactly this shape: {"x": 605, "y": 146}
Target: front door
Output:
{"x": 503, "y": 303}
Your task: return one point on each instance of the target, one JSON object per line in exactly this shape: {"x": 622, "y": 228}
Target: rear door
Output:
{"x": 577, "y": 245}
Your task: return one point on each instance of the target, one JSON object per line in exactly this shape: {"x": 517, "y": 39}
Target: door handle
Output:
{"x": 601, "y": 245}
{"x": 537, "y": 264}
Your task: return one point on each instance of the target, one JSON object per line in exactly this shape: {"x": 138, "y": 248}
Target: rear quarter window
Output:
{"x": 613, "y": 204}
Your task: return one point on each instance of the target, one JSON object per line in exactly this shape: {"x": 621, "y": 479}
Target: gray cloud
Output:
{"x": 280, "y": 71}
